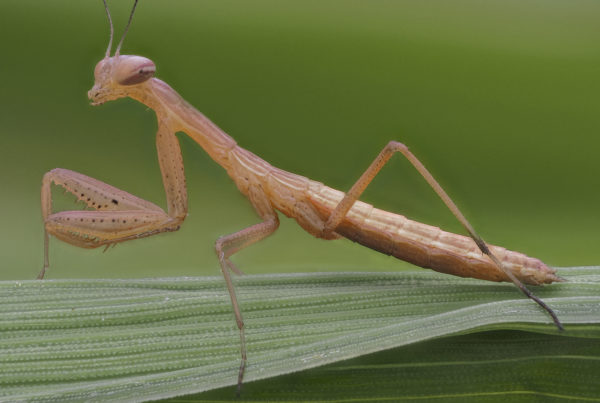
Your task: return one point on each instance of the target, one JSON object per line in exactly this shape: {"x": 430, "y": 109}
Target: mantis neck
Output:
{"x": 178, "y": 115}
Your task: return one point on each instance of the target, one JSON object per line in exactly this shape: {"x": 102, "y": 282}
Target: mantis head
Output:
{"x": 118, "y": 76}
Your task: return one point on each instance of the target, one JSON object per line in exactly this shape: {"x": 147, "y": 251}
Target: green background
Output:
{"x": 499, "y": 99}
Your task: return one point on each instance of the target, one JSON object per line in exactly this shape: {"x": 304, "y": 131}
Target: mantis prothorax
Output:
{"x": 118, "y": 216}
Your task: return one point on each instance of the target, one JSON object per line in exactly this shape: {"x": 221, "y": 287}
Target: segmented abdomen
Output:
{"x": 311, "y": 204}
{"x": 424, "y": 245}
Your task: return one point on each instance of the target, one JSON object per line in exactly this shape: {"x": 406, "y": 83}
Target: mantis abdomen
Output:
{"x": 425, "y": 245}
{"x": 311, "y": 203}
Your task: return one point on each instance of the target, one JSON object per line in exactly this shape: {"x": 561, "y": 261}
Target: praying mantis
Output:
{"x": 116, "y": 216}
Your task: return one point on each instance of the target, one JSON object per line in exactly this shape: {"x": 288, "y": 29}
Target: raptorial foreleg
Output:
{"x": 117, "y": 216}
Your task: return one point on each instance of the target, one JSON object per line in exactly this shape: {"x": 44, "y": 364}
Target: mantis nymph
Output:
{"x": 116, "y": 216}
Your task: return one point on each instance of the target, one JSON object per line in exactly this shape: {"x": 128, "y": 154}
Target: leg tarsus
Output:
{"x": 40, "y": 276}
{"x": 46, "y": 259}
{"x": 242, "y": 363}
{"x": 520, "y": 285}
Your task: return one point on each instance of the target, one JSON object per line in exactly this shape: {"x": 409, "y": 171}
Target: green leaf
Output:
{"x": 155, "y": 338}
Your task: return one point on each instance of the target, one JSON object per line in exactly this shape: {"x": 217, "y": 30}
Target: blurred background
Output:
{"x": 500, "y": 99}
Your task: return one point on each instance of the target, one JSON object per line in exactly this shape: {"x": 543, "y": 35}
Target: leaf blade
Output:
{"x": 155, "y": 338}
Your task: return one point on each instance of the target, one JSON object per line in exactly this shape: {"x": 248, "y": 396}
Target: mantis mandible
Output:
{"x": 117, "y": 216}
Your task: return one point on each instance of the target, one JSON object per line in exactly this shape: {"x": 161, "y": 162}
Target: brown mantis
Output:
{"x": 117, "y": 216}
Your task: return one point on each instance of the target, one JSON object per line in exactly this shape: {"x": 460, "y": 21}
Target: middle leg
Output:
{"x": 225, "y": 247}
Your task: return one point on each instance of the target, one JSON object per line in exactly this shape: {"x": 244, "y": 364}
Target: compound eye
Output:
{"x": 132, "y": 70}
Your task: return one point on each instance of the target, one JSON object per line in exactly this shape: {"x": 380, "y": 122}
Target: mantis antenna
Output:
{"x": 126, "y": 28}
{"x": 112, "y": 30}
